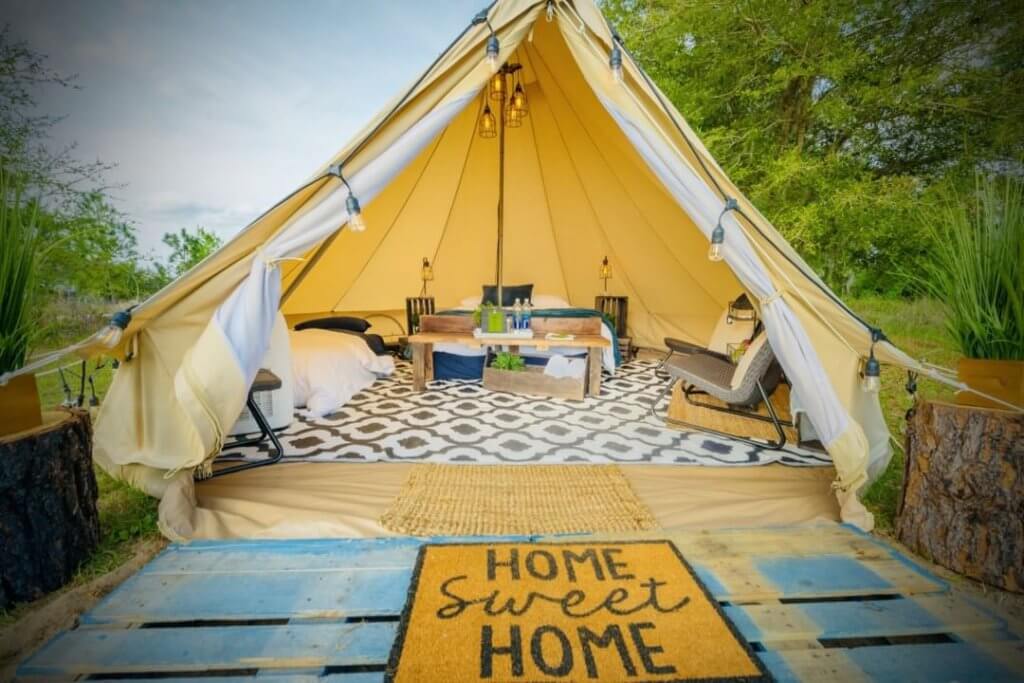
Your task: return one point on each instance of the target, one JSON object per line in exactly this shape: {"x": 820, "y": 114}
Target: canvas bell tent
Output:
{"x": 601, "y": 165}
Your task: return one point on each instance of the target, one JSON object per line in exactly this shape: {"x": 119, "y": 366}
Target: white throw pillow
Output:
{"x": 471, "y": 302}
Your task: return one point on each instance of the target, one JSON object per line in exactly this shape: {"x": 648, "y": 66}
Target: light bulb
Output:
{"x": 493, "y": 49}
{"x": 871, "y": 381}
{"x": 355, "y": 215}
{"x": 615, "y": 64}
{"x": 497, "y": 86}
{"x": 488, "y": 126}
{"x": 513, "y": 117}
{"x": 110, "y": 336}
{"x": 550, "y": 12}
{"x": 716, "y": 252}
{"x": 519, "y": 100}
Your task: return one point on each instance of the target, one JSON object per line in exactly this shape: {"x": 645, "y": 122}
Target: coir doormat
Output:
{"x": 515, "y": 500}
{"x": 604, "y": 611}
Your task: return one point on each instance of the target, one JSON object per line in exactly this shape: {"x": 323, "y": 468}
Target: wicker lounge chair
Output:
{"x": 742, "y": 387}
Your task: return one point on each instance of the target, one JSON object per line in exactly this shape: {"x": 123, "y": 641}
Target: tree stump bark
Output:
{"x": 49, "y": 522}
{"x": 963, "y": 491}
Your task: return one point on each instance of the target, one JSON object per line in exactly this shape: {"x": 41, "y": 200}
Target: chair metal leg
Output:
{"x": 277, "y": 452}
{"x": 659, "y": 371}
{"x": 666, "y": 391}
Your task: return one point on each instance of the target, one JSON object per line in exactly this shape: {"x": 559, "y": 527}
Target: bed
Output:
{"x": 329, "y": 366}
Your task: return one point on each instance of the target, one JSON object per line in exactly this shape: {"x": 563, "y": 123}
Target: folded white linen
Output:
{"x": 560, "y": 366}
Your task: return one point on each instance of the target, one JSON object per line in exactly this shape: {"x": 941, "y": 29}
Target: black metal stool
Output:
{"x": 265, "y": 381}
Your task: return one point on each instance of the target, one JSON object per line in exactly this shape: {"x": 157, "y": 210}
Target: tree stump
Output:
{"x": 49, "y": 522}
{"x": 963, "y": 491}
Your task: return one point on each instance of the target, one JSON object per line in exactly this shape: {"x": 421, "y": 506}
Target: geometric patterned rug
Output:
{"x": 458, "y": 421}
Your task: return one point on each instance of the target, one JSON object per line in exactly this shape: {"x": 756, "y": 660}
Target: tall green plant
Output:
{"x": 977, "y": 267}
{"x": 19, "y": 257}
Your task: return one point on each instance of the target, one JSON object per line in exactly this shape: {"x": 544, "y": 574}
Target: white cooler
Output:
{"x": 277, "y": 406}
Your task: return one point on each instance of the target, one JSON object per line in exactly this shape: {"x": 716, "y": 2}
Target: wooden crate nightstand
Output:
{"x": 617, "y": 308}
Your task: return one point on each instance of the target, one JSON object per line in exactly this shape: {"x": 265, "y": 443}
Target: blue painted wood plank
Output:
{"x": 291, "y": 557}
{"x": 287, "y": 555}
{"x": 152, "y": 598}
{"x": 854, "y": 619}
{"x": 92, "y": 651}
{"x": 272, "y": 677}
{"x": 809, "y": 576}
{"x": 924, "y": 663}
{"x": 933, "y": 662}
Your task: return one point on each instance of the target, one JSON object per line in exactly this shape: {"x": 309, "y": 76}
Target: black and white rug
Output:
{"x": 461, "y": 422}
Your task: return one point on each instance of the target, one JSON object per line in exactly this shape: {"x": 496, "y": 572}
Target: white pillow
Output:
{"x": 328, "y": 368}
{"x": 471, "y": 302}
{"x": 549, "y": 301}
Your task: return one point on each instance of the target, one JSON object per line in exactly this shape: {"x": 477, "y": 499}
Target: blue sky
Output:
{"x": 213, "y": 110}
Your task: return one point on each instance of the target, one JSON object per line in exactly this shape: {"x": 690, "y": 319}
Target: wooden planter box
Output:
{"x": 19, "y": 405}
{"x": 1003, "y": 379}
{"x": 49, "y": 522}
{"x": 532, "y": 380}
{"x": 963, "y": 491}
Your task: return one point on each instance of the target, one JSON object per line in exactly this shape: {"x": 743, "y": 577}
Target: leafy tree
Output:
{"x": 57, "y": 174}
{"x": 187, "y": 250}
{"x": 837, "y": 117}
{"x": 94, "y": 253}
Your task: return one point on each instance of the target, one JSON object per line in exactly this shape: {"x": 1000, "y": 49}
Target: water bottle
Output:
{"x": 517, "y": 315}
{"x": 527, "y": 314}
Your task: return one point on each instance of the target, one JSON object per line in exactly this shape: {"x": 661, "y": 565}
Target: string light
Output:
{"x": 355, "y": 214}
{"x": 110, "y": 336}
{"x": 871, "y": 377}
{"x": 493, "y": 49}
{"x": 550, "y": 11}
{"x": 717, "y": 250}
{"x": 615, "y": 63}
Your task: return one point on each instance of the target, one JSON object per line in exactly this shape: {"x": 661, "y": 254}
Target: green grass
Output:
{"x": 918, "y": 328}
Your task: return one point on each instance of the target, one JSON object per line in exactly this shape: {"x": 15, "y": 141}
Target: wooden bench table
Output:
{"x": 459, "y": 330}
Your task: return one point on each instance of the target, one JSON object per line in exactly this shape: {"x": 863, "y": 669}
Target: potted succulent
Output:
{"x": 977, "y": 272}
{"x": 19, "y": 235}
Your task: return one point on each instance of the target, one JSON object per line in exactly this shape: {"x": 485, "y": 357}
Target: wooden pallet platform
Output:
{"x": 816, "y": 603}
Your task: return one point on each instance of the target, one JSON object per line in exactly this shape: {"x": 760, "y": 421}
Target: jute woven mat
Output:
{"x": 516, "y": 499}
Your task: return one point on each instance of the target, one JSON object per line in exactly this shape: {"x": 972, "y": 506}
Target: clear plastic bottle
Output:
{"x": 527, "y": 314}
{"x": 517, "y": 315}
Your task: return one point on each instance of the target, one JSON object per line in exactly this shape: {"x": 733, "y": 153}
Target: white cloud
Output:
{"x": 214, "y": 111}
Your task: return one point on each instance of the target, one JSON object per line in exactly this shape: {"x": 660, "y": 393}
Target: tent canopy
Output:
{"x": 598, "y": 168}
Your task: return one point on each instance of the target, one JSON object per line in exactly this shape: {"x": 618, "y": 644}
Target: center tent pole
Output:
{"x": 501, "y": 196}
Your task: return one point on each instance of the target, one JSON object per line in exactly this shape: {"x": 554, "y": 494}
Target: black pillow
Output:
{"x": 338, "y": 322}
{"x": 509, "y": 294}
